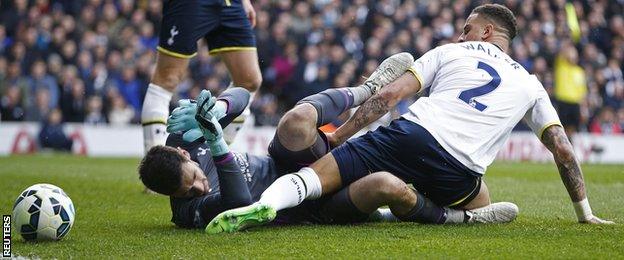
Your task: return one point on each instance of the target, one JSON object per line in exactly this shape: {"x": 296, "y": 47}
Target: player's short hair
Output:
{"x": 161, "y": 170}
{"x": 501, "y": 15}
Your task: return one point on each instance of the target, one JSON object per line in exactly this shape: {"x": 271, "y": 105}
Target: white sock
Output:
{"x": 221, "y": 108}
{"x": 292, "y": 189}
{"x": 360, "y": 94}
{"x": 454, "y": 216}
{"x": 154, "y": 116}
{"x": 387, "y": 216}
{"x": 231, "y": 131}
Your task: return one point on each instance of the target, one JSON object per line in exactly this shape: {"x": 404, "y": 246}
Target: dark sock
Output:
{"x": 294, "y": 160}
{"x": 425, "y": 211}
{"x": 329, "y": 104}
{"x": 237, "y": 99}
{"x": 233, "y": 186}
{"x": 339, "y": 209}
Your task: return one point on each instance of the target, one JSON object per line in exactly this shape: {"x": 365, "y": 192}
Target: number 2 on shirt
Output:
{"x": 469, "y": 95}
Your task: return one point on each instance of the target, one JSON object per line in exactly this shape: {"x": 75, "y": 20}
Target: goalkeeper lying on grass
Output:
{"x": 204, "y": 178}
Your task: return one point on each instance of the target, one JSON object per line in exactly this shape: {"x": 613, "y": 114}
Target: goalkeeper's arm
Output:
{"x": 233, "y": 186}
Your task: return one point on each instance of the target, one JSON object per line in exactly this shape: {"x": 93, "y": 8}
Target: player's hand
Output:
{"x": 251, "y": 13}
{"x": 208, "y": 122}
{"x": 596, "y": 220}
{"x": 182, "y": 118}
{"x": 205, "y": 102}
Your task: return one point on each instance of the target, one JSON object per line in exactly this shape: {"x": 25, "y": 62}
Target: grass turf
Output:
{"x": 115, "y": 219}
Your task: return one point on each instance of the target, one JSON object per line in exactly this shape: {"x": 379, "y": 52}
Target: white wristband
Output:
{"x": 583, "y": 210}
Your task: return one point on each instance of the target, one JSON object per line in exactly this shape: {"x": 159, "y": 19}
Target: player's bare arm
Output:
{"x": 251, "y": 13}
{"x": 555, "y": 139}
{"x": 378, "y": 105}
{"x": 557, "y": 142}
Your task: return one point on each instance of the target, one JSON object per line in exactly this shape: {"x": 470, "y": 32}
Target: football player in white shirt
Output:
{"x": 444, "y": 144}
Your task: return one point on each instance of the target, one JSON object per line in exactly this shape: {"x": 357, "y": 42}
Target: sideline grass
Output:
{"x": 114, "y": 219}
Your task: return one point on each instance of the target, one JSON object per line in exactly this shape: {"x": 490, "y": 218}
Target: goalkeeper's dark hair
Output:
{"x": 161, "y": 170}
{"x": 501, "y": 15}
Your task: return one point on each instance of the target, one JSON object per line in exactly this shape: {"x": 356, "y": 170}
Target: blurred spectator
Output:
{"x": 40, "y": 79}
{"x": 94, "y": 115}
{"x": 570, "y": 88}
{"x": 74, "y": 102}
{"x": 612, "y": 85}
{"x": 52, "y": 135}
{"x": 265, "y": 110}
{"x": 620, "y": 117}
{"x": 10, "y": 105}
{"x": 120, "y": 113}
{"x": 605, "y": 123}
{"x": 39, "y": 110}
{"x": 131, "y": 88}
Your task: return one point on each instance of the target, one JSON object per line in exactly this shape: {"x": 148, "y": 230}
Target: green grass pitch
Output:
{"x": 115, "y": 219}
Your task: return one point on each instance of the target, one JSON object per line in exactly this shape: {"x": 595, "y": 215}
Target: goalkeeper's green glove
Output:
{"x": 209, "y": 124}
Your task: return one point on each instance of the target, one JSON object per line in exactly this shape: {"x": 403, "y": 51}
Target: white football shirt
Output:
{"x": 477, "y": 94}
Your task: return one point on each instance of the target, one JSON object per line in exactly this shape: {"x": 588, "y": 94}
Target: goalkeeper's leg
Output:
{"x": 297, "y": 141}
{"x": 245, "y": 72}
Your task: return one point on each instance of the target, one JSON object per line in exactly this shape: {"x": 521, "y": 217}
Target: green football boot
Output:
{"x": 241, "y": 218}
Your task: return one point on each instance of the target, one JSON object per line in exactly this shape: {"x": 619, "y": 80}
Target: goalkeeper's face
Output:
{"x": 193, "y": 180}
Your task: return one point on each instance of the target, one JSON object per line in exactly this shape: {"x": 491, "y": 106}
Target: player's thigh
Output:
{"x": 481, "y": 200}
{"x": 182, "y": 25}
{"x": 234, "y": 41}
{"x": 169, "y": 71}
{"x": 381, "y": 189}
{"x": 243, "y": 67}
{"x": 328, "y": 172}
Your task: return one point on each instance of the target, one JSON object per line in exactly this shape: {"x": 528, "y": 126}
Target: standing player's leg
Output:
{"x": 168, "y": 74}
{"x": 243, "y": 67}
{"x": 245, "y": 72}
{"x": 234, "y": 42}
{"x": 183, "y": 23}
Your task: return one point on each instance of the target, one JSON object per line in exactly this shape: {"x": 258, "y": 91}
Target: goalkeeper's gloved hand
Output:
{"x": 182, "y": 119}
{"x": 209, "y": 124}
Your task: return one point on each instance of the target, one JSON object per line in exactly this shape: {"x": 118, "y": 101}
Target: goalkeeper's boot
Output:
{"x": 500, "y": 212}
{"x": 389, "y": 70}
{"x": 241, "y": 218}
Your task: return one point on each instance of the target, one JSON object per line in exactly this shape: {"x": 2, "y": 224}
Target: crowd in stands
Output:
{"x": 91, "y": 60}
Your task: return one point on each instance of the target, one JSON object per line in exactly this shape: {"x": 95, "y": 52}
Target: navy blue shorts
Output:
{"x": 223, "y": 23}
{"x": 408, "y": 151}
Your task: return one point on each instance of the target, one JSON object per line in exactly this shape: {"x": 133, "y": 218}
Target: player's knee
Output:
{"x": 299, "y": 122}
{"x": 168, "y": 77}
{"x": 390, "y": 187}
{"x": 251, "y": 83}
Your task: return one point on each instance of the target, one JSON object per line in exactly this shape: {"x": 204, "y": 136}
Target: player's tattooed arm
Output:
{"x": 555, "y": 139}
{"x": 376, "y": 106}
{"x": 373, "y": 109}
